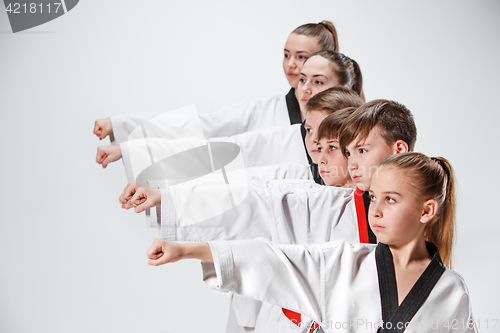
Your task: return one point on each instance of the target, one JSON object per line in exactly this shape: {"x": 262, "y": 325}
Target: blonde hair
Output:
{"x": 324, "y": 32}
{"x": 431, "y": 178}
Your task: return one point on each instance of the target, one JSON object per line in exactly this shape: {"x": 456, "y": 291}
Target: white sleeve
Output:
{"x": 299, "y": 277}
{"x": 251, "y": 115}
{"x": 284, "y": 211}
{"x": 124, "y": 124}
{"x": 270, "y": 146}
{"x": 285, "y": 275}
{"x": 234, "y": 119}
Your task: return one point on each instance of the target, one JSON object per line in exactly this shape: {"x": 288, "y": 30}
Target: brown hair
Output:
{"x": 330, "y": 126}
{"x": 431, "y": 178}
{"x": 333, "y": 99}
{"x": 347, "y": 70}
{"x": 324, "y": 32}
{"x": 394, "y": 121}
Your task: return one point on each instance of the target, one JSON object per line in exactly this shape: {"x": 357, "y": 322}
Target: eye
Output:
{"x": 309, "y": 130}
{"x": 287, "y": 55}
{"x": 333, "y": 147}
{"x": 372, "y": 198}
{"x": 347, "y": 153}
{"x": 302, "y": 80}
{"x": 302, "y": 57}
{"x": 318, "y": 82}
{"x": 362, "y": 151}
{"x": 320, "y": 149}
{"x": 390, "y": 200}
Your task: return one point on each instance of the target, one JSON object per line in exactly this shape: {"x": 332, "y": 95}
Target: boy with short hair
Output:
{"x": 296, "y": 213}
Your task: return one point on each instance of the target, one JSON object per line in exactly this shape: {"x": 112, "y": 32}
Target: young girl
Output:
{"x": 401, "y": 284}
{"x": 279, "y": 145}
{"x": 276, "y": 111}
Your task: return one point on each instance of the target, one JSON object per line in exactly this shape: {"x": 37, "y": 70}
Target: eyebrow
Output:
{"x": 297, "y": 51}
{"x": 362, "y": 144}
{"x": 386, "y": 192}
{"x": 391, "y": 192}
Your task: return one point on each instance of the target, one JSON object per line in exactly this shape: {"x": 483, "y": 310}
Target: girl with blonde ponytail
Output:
{"x": 401, "y": 284}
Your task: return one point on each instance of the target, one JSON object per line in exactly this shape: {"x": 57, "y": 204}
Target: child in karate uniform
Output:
{"x": 299, "y": 206}
{"x": 402, "y": 284}
{"x": 268, "y": 146}
{"x": 276, "y": 111}
{"x": 295, "y": 213}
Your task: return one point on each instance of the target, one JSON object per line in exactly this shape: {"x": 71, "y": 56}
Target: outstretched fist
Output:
{"x": 127, "y": 194}
{"x": 144, "y": 198}
{"x": 103, "y": 128}
{"x": 108, "y": 154}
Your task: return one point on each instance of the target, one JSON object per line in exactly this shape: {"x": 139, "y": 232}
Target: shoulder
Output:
{"x": 455, "y": 282}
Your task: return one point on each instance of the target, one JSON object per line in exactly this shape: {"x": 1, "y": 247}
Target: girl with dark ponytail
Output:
{"x": 254, "y": 114}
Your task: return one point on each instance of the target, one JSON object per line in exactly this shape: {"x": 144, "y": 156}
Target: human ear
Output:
{"x": 400, "y": 147}
{"x": 429, "y": 210}
{"x": 346, "y": 86}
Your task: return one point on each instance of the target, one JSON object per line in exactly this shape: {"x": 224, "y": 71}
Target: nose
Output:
{"x": 374, "y": 210}
{"x": 292, "y": 63}
{"x": 321, "y": 158}
{"x": 352, "y": 164}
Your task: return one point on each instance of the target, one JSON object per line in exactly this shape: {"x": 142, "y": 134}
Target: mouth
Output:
{"x": 323, "y": 172}
{"x": 356, "y": 178}
{"x": 304, "y": 100}
{"x": 377, "y": 227}
{"x": 292, "y": 75}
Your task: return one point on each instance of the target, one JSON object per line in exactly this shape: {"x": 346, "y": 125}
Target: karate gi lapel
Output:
{"x": 362, "y": 202}
{"x": 293, "y": 107}
{"x": 395, "y": 316}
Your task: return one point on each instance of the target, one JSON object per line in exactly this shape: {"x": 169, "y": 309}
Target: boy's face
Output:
{"x": 313, "y": 120}
{"x": 364, "y": 156}
{"x": 332, "y": 164}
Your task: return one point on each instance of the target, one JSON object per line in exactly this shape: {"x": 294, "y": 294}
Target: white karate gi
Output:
{"x": 284, "y": 211}
{"x": 270, "y": 146}
{"x": 338, "y": 285}
{"x": 235, "y": 119}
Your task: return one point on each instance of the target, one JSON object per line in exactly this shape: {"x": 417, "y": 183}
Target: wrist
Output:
{"x": 199, "y": 251}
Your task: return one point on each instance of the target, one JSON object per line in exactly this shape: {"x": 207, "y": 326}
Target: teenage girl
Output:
{"x": 276, "y": 111}
{"x": 401, "y": 284}
{"x": 322, "y": 71}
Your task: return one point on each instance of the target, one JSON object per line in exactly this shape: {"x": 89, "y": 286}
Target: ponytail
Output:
{"x": 441, "y": 231}
{"x": 324, "y": 32}
{"x": 358, "y": 82}
{"x": 432, "y": 178}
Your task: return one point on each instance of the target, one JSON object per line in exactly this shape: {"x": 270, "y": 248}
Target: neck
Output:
{"x": 350, "y": 184}
{"x": 413, "y": 252}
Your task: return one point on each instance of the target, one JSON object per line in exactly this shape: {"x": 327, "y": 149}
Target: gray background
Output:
{"x": 71, "y": 260}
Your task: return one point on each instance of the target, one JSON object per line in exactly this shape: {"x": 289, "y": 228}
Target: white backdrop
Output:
{"x": 71, "y": 260}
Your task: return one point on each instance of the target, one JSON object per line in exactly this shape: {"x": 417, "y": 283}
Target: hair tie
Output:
{"x": 326, "y": 27}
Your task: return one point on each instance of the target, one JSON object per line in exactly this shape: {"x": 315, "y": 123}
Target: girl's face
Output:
{"x": 332, "y": 164}
{"x": 298, "y": 48}
{"x": 395, "y": 213}
{"x": 313, "y": 120}
{"x": 316, "y": 76}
